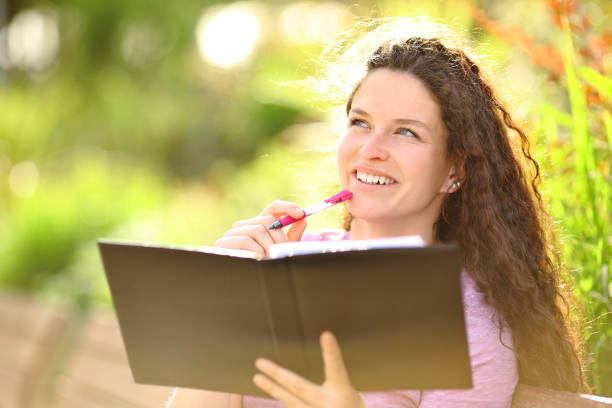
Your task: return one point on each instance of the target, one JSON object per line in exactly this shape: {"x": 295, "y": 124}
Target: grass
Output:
{"x": 577, "y": 151}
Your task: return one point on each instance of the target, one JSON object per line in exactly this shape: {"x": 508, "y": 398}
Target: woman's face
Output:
{"x": 393, "y": 153}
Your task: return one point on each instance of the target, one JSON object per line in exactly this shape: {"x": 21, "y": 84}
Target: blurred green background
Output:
{"x": 167, "y": 122}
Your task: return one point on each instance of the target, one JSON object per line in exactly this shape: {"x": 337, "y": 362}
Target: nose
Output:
{"x": 375, "y": 147}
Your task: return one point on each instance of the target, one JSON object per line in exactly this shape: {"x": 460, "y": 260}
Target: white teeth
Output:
{"x": 371, "y": 179}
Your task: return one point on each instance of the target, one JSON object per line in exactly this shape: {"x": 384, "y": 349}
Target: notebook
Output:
{"x": 198, "y": 317}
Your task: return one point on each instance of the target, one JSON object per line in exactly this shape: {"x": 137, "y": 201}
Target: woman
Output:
{"x": 427, "y": 151}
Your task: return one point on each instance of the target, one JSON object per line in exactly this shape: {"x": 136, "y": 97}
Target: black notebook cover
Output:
{"x": 194, "y": 319}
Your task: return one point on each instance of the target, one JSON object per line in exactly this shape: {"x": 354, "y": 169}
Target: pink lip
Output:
{"x": 372, "y": 171}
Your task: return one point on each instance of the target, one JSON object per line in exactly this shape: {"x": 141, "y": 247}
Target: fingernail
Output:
{"x": 298, "y": 213}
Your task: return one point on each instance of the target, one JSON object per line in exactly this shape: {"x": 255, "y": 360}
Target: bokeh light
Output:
{"x": 23, "y": 179}
{"x": 227, "y": 36}
{"x": 32, "y": 40}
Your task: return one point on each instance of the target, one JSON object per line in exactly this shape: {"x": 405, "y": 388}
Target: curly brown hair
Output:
{"x": 497, "y": 216}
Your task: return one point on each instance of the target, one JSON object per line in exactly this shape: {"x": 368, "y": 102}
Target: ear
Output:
{"x": 456, "y": 173}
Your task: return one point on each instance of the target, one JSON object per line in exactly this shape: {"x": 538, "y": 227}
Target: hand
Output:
{"x": 297, "y": 392}
{"x": 253, "y": 235}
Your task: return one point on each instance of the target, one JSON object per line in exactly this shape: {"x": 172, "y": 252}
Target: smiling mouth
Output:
{"x": 372, "y": 179}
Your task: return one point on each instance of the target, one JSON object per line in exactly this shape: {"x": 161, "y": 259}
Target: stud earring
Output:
{"x": 456, "y": 185}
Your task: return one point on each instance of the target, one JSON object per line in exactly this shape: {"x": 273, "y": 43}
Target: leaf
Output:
{"x": 600, "y": 82}
{"x": 557, "y": 115}
{"x": 586, "y": 284}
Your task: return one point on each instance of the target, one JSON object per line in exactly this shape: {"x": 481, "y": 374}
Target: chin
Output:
{"x": 365, "y": 212}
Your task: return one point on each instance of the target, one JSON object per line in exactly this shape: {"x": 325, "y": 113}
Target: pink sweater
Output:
{"x": 494, "y": 370}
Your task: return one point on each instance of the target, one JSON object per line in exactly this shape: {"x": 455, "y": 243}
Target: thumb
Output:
{"x": 335, "y": 370}
{"x": 295, "y": 231}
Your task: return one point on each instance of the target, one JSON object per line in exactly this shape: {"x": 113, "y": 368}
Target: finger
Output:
{"x": 335, "y": 370}
{"x": 258, "y": 232}
{"x": 261, "y": 219}
{"x": 241, "y": 242}
{"x": 277, "y": 234}
{"x": 295, "y": 232}
{"x": 277, "y": 392}
{"x": 279, "y": 208}
{"x": 295, "y": 384}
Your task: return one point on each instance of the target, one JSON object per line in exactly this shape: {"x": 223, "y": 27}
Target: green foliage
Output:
{"x": 71, "y": 208}
{"x": 577, "y": 152}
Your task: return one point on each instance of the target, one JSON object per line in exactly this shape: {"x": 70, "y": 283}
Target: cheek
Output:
{"x": 433, "y": 170}
{"x": 343, "y": 153}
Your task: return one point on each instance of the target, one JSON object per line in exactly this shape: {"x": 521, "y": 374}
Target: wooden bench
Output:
{"x": 54, "y": 358}
{"x": 97, "y": 375}
{"x": 29, "y": 335}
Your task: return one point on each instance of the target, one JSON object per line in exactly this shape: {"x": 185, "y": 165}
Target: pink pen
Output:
{"x": 335, "y": 199}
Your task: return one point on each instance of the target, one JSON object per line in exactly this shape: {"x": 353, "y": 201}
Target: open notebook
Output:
{"x": 198, "y": 317}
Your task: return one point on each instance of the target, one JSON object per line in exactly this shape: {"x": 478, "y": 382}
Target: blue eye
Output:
{"x": 358, "y": 122}
{"x": 407, "y": 132}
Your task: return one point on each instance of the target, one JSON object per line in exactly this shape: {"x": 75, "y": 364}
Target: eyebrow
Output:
{"x": 403, "y": 121}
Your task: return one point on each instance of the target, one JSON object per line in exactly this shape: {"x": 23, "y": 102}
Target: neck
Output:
{"x": 367, "y": 229}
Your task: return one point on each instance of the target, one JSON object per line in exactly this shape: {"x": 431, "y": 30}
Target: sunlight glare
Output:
{"x": 228, "y": 37}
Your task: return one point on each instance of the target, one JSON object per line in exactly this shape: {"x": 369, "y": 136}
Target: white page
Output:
{"x": 286, "y": 249}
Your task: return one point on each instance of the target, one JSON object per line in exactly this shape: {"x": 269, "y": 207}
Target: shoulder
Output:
{"x": 326, "y": 235}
